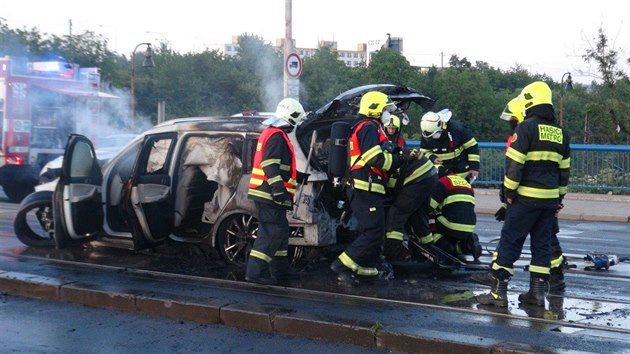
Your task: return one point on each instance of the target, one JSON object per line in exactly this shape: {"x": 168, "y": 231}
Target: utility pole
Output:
{"x": 288, "y": 41}
{"x": 70, "y": 27}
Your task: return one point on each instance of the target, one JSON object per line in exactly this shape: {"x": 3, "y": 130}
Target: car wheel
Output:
{"x": 34, "y": 225}
{"x": 236, "y": 237}
{"x": 16, "y": 192}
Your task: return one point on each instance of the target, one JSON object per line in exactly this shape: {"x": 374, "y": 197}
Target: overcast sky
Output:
{"x": 546, "y": 36}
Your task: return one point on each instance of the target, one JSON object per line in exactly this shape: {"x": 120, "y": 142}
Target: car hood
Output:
{"x": 347, "y": 103}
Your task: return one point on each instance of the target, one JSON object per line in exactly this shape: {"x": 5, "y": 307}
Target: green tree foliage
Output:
{"x": 209, "y": 83}
{"x": 323, "y": 77}
{"x": 608, "y": 109}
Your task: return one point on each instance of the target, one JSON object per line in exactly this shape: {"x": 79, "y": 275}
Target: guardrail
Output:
{"x": 593, "y": 167}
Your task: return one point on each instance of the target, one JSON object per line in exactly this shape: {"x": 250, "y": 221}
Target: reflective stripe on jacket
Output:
{"x": 537, "y": 162}
{"x": 454, "y": 199}
{"x": 456, "y": 147}
{"x": 368, "y": 162}
{"x": 274, "y": 170}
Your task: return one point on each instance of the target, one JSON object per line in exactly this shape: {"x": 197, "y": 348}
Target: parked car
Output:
{"x": 187, "y": 179}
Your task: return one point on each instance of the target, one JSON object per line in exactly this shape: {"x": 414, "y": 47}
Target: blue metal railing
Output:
{"x": 593, "y": 167}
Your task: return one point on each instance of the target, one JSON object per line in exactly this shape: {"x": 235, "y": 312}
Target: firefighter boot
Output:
{"x": 258, "y": 272}
{"x": 281, "y": 270}
{"x": 536, "y": 294}
{"x": 345, "y": 276}
{"x": 556, "y": 279}
{"x": 483, "y": 278}
{"x": 475, "y": 246}
{"x": 498, "y": 294}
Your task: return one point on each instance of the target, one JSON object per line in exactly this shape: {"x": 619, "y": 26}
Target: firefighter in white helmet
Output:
{"x": 449, "y": 143}
{"x": 272, "y": 187}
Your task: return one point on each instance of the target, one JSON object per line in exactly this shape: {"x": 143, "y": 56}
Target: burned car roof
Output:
{"x": 247, "y": 124}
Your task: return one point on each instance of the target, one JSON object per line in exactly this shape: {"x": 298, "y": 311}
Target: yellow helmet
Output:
{"x": 535, "y": 94}
{"x": 393, "y": 122}
{"x": 513, "y": 110}
{"x": 374, "y": 103}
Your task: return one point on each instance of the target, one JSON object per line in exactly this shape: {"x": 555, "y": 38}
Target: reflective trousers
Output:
{"x": 521, "y": 220}
{"x": 367, "y": 208}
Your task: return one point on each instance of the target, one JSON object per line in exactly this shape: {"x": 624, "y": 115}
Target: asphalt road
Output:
{"x": 593, "y": 298}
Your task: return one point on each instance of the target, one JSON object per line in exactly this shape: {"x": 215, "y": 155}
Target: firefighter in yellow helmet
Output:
{"x": 393, "y": 131}
{"x": 368, "y": 172}
{"x": 513, "y": 113}
{"x": 272, "y": 187}
{"x": 536, "y": 178}
{"x": 450, "y": 143}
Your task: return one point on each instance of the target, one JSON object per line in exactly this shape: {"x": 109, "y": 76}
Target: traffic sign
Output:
{"x": 293, "y": 65}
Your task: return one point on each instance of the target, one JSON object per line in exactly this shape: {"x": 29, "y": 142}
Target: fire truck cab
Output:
{"x": 41, "y": 103}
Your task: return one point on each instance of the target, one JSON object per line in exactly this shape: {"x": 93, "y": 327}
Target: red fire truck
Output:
{"x": 41, "y": 102}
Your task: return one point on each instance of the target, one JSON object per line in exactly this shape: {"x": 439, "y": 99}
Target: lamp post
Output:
{"x": 147, "y": 63}
{"x": 569, "y": 85}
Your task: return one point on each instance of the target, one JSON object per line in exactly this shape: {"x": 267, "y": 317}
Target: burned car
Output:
{"x": 187, "y": 180}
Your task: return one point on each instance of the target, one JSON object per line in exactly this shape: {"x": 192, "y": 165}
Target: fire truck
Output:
{"x": 41, "y": 103}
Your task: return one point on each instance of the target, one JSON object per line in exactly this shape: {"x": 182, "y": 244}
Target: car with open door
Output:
{"x": 187, "y": 180}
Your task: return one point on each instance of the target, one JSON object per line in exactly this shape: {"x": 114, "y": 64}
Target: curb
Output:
{"x": 257, "y": 317}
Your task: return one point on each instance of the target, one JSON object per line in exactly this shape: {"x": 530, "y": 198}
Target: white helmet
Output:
{"x": 288, "y": 113}
{"x": 433, "y": 123}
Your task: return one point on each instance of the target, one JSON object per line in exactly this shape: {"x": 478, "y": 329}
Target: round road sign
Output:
{"x": 293, "y": 65}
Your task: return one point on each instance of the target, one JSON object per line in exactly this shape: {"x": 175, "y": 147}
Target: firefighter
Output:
{"x": 513, "y": 114}
{"x": 272, "y": 187}
{"x": 453, "y": 206}
{"x": 536, "y": 179}
{"x": 411, "y": 186}
{"x": 449, "y": 143}
{"x": 368, "y": 166}
{"x": 393, "y": 132}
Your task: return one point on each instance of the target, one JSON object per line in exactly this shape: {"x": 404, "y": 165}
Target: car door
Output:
{"x": 147, "y": 195}
{"x": 77, "y": 203}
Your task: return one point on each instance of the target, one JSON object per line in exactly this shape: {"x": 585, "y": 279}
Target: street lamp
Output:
{"x": 147, "y": 63}
{"x": 569, "y": 85}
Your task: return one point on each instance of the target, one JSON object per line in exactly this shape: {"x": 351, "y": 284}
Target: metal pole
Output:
{"x": 288, "y": 42}
{"x": 132, "y": 93}
{"x": 561, "y": 106}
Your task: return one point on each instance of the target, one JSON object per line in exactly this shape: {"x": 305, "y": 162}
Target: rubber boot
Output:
{"x": 536, "y": 294}
{"x": 345, "y": 276}
{"x": 258, "y": 272}
{"x": 483, "y": 278}
{"x": 475, "y": 246}
{"x": 281, "y": 270}
{"x": 497, "y": 295}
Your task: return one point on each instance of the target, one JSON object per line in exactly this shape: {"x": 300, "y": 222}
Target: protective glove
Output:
{"x": 500, "y": 214}
{"x": 560, "y": 207}
{"x": 283, "y": 199}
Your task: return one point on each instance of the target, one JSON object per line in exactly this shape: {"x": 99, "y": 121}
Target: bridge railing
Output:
{"x": 594, "y": 168}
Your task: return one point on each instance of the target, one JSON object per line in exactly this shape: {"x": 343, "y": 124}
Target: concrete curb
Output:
{"x": 263, "y": 318}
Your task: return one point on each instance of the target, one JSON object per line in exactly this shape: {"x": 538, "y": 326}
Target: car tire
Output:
{"x": 17, "y": 192}
{"x": 33, "y": 224}
{"x": 235, "y": 238}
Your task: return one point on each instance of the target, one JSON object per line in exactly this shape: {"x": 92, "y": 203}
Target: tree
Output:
{"x": 323, "y": 78}
{"x": 609, "y": 108}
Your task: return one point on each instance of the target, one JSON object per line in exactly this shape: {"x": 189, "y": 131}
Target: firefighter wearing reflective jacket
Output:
{"x": 513, "y": 114}
{"x": 453, "y": 206}
{"x": 449, "y": 143}
{"x": 411, "y": 186}
{"x": 368, "y": 166}
{"x": 536, "y": 179}
{"x": 272, "y": 187}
